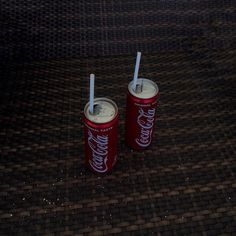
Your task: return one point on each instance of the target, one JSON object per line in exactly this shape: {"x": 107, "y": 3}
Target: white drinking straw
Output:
{"x": 91, "y": 93}
{"x": 138, "y": 58}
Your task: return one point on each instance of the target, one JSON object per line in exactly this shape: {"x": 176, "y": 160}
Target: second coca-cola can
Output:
{"x": 101, "y": 135}
{"x": 141, "y": 112}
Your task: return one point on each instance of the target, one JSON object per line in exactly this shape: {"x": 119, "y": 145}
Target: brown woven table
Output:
{"x": 184, "y": 184}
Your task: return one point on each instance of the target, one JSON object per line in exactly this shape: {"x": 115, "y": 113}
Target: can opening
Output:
{"x": 96, "y": 109}
{"x": 139, "y": 88}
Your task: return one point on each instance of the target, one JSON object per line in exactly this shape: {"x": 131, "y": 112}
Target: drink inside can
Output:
{"x": 141, "y": 113}
{"x": 101, "y": 135}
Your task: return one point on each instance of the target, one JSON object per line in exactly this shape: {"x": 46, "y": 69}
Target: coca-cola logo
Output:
{"x": 99, "y": 147}
{"x": 145, "y": 120}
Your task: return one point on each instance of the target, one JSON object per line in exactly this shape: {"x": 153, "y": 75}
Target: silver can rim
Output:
{"x": 101, "y": 99}
{"x": 150, "y": 81}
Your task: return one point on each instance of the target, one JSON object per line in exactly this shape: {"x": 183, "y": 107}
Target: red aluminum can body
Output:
{"x": 101, "y": 143}
{"x": 140, "y": 119}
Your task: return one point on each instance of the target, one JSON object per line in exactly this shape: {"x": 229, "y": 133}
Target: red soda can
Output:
{"x": 101, "y": 135}
{"x": 141, "y": 110}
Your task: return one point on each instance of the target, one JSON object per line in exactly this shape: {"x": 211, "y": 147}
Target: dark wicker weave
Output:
{"x": 184, "y": 184}
{"x": 33, "y": 30}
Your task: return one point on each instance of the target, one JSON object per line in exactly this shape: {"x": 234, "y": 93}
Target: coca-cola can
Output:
{"x": 141, "y": 110}
{"x": 101, "y": 135}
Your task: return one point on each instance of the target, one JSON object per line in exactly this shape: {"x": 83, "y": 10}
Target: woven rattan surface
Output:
{"x": 183, "y": 185}
{"x": 32, "y": 30}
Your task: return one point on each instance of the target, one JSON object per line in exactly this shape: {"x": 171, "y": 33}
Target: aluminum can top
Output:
{"x": 145, "y": 89}
{"x": 105, "y": 110}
